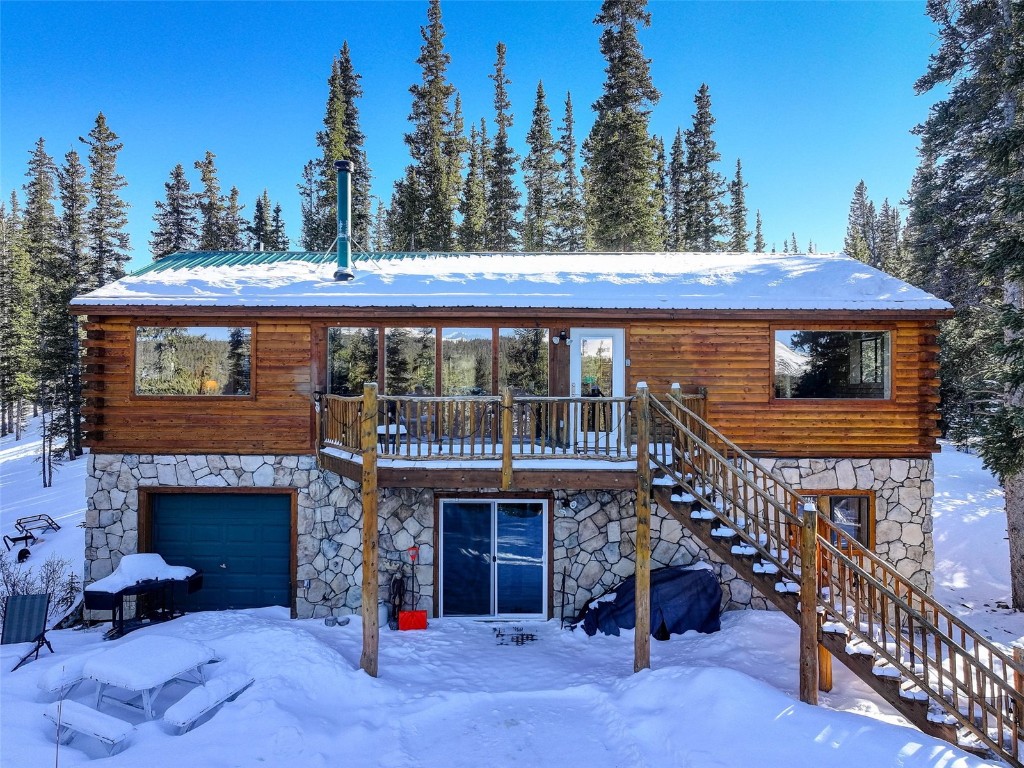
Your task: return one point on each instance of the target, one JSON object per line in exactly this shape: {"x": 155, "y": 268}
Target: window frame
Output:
{"x": 136, "y": 395}
{"x": 823, "y": 501}
{"x": 817, "y": 402}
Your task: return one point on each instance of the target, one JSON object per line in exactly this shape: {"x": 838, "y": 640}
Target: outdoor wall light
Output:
{"x": 563, "y": 336}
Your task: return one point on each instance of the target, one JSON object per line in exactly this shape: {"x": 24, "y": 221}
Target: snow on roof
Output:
{"x": 521, "y": 280}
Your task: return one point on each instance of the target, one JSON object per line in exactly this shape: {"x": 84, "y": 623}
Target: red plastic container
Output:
{"x": 412, "y": 619}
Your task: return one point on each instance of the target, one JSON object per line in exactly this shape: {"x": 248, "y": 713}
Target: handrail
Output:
{"x": 979, "y": 686}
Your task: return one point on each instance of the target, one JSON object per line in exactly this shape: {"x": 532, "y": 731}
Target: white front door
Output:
{"x": 597, "y": 368}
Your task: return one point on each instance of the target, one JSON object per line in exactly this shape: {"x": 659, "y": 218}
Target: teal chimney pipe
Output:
{"x": 344, "y": 271}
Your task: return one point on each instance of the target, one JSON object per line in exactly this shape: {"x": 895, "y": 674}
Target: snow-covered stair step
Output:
{"x": 834, "y": 628}
{"x": 786, "y": 586}
{"x": 702, "y": 514}
{"x": 723, "y": 532}
{"x": 767, "y": 568}
{"x": 856, "y": 648}
{"x": 744, "y": 550}
{"x": 664, "y": 480}
{"x": 940, "y": 716}
{"x": 683, "y": 498}
{"x": 910, "y": 691}
{"x": 884, "y": 669}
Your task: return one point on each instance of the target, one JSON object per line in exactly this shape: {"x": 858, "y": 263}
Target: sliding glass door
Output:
{"x": 494, "y": 558}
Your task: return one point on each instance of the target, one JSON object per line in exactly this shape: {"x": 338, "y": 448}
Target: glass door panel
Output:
{"x": 519, "y": 550}
{"x": 467, "y": 547}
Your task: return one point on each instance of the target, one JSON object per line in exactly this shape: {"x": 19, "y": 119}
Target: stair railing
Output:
{"x": 974, "y": 681}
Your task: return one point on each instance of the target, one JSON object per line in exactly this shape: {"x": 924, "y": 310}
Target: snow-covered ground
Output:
{"x": 457, "y": 695}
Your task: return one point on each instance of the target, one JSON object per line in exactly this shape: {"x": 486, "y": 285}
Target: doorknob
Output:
{"x": 223, "y": 565}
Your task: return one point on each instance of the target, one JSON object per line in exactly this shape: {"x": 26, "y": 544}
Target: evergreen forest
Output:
{"x": 958, "y": 233}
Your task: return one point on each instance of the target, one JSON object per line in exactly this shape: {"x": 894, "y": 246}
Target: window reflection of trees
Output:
{"x": 194, "y": 360}
{"x": 351, "y": 359}
{"x": 831, "y": 364}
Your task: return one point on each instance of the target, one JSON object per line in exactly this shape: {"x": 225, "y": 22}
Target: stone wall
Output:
{"x": 329, "y": 513}
{"x": 903, "y": 491}
{"x": 594, "y": 531}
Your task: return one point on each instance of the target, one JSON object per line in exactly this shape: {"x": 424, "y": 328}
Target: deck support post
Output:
{"x": 642, "y": 638}
{"x": 824, "y": 664}
{"x": 809, "y": 605}
{"x": 506, "y": 438}
{"x": 368, "y": 441}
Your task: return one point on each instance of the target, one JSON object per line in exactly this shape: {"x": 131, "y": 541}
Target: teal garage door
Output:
{"x": 241, "y": 541}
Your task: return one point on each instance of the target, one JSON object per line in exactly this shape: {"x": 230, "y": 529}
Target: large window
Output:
{"x": 466, "y": 361}
{"x": 193, "y": 361}
{"x": 351, "y": 359}
{"x": 523, "y": 360}
{"x": 409, "y": 361}
{"x": 832, "y": 364}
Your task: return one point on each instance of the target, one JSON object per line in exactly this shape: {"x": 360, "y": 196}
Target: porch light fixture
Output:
{"x": 563, "y": 335}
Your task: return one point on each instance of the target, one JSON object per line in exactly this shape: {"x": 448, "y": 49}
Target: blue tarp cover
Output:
{"x": 682, "y": 598}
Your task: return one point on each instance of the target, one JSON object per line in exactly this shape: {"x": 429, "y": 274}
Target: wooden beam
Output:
{"x": 642, "y": 638}
{"x": 824, "y": 664}
{"x": 506, "y": 439}
{"x": 371, "y": 630}
{"x": 809, "y": 606}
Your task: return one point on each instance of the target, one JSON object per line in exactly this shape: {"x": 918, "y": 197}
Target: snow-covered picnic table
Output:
{"x": 144, "y": 666}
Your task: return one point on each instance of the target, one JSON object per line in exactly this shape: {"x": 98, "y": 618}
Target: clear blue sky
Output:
{"x": 812, "y": 96}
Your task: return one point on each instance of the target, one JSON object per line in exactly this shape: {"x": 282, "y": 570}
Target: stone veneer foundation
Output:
{"x": 594, "y": 531}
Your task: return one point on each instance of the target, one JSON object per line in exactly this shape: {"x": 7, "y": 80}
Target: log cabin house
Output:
{"x": 529, "y": 428}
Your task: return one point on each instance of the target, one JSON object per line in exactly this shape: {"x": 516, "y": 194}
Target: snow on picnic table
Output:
{"x": 452, "y": 696}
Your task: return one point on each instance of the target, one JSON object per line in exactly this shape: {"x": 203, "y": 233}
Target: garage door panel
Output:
{"x": 242, "y": 542}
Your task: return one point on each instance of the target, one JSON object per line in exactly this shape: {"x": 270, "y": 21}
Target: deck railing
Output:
{"x": 977, "y": 685}
{"x": 486, "y": 427}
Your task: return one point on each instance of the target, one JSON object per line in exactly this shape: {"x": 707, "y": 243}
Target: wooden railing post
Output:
{"x": 642, "y": 638}
{"x": 809, "y": 606}
{"x": 506, "y": 438}
{"x": 368, "y": 442}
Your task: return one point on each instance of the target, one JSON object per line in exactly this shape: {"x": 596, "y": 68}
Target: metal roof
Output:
{"x": 193, "y": 259}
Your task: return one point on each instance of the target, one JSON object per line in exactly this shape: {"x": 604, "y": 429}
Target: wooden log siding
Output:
{"x": 276, "y": 420}
{"x": 727, "y": 352}
{"x": 732, "y": 359}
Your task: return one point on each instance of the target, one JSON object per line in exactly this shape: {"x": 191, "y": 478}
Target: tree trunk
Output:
{"x": 1014, "y": 487}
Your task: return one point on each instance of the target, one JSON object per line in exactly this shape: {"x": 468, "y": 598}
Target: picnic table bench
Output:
{"x": 204, "y": 699}
{"x": 72, "y": 718}
{"x": 27, "y": 526}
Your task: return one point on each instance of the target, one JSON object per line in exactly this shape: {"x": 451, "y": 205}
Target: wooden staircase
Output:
{"x": 935, "y": 670}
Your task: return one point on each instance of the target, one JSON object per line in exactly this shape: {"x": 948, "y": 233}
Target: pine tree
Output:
{"x": 68, "y": 276}
{"x": 889, "y": 244}
{"x": 234, "y": 226}
{"x": 259, "y": 230}
{"x": 860, "y": 227}
{"x": 211, "y": 205}
{"x": 42, "y": 233}
{"x": 739, "y": 234}
{"x": 109, "y": 244}
{"x": 793, "y": 247}
{"x": 540, "y": 171}
{"x": 278, "y": 236}
{"x": 570, "y": 234}
{"x": 621, "y": 206}
{"x": 975, "y": 137}
{"x": 661, "y": 189}
{"x": 380, "y": 228}
{"x": 176, "y": 217}
{"x": 341, "y": 139}
{"x": 759, "y": 243}
{"x": 17, "y": 321}
{"x": 502, "y": 195}
{"x": 472, "y": 228}
{"x": 705, "y": 187}
{"x": 425, "y": 198}
{"x": 677, "y": 194}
